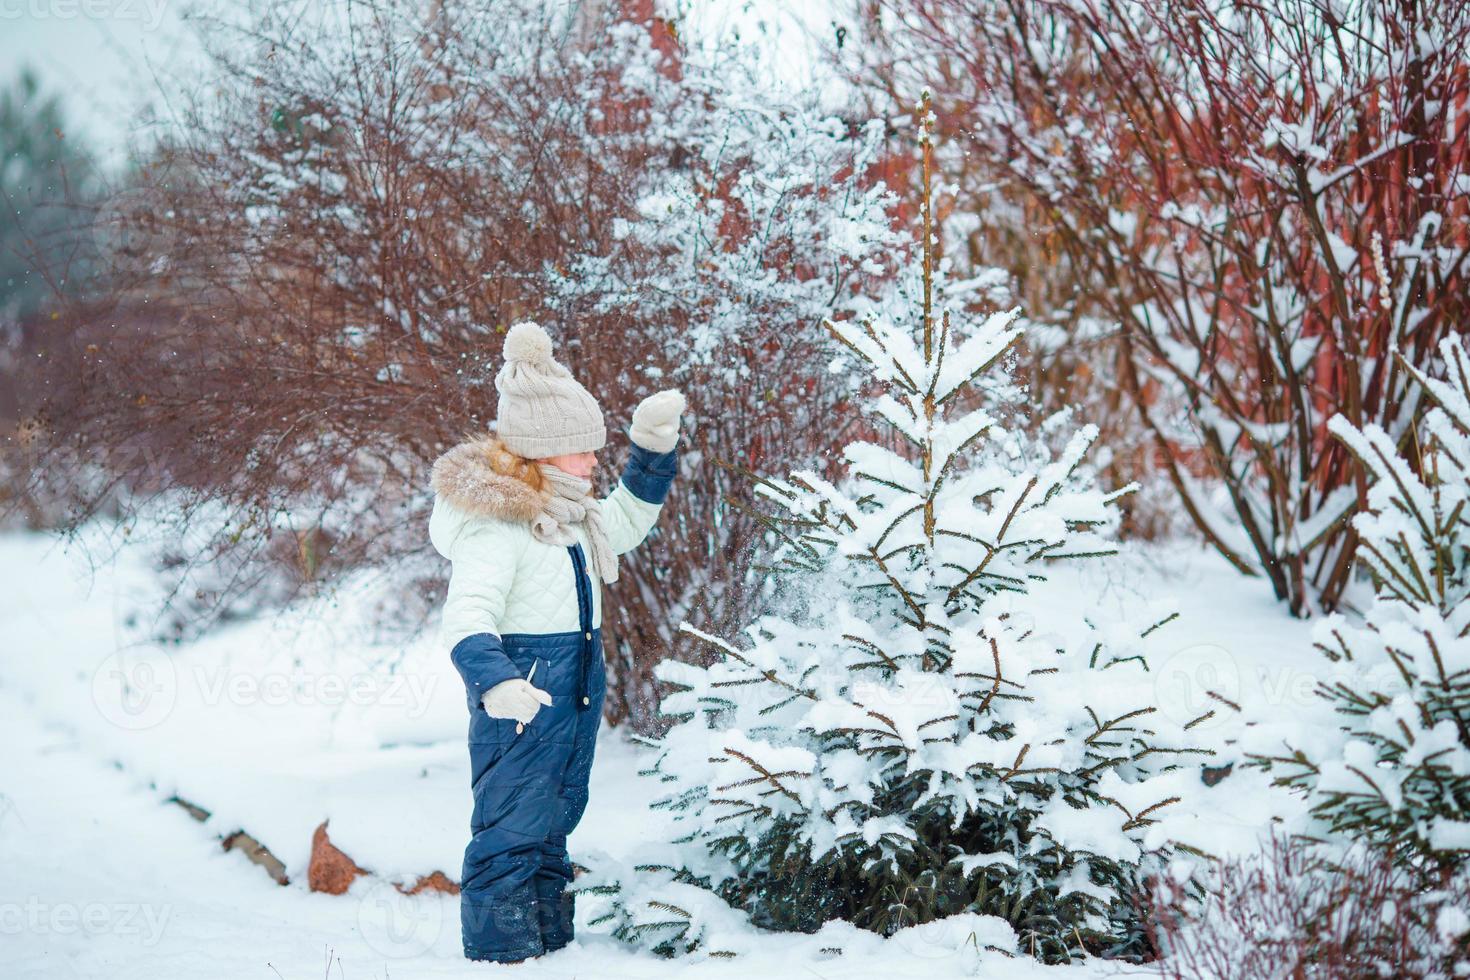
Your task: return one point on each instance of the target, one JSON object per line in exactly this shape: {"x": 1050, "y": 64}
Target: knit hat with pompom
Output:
{"x": 543, "y": 411}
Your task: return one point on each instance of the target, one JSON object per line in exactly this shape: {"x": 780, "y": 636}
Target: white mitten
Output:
{"x": 516, "y": 699}
{"x": 656, "y": 420}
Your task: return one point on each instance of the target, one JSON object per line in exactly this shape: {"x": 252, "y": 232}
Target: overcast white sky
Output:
{"x": 101, "y": 55}
{"x": 105, "y": 56}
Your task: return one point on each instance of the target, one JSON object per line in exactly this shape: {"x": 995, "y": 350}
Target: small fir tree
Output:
{"x": 902, "y": 741}
{"x": 1398, "y": 778}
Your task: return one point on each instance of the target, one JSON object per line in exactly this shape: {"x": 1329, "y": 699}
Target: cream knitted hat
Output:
{"x": 543, "y": 411}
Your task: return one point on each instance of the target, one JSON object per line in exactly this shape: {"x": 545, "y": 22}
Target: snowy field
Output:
{"x": 273, "y": 726}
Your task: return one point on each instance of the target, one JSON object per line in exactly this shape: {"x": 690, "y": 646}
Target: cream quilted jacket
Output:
{"x": 502, "y": 580}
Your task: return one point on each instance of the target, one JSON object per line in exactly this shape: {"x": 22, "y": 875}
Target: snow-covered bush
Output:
{"x": 351, "y": 209}
{"x": 1399, "y": 778}
{"x": 1290, "y": 911}
{"x": 759, "y": 213}
{"x": 305, "y": 286}
{"x": 904, "y": 737}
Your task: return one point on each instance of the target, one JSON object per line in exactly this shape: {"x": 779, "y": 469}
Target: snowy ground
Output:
{"x": 274, "y": 726}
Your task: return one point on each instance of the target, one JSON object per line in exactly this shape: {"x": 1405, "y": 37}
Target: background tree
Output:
{"x": 1268, "y": 200}
{"x": 48, "y": 181}
{"x": 45, "y": 172}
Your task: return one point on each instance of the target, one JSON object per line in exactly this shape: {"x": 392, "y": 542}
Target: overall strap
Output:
{"x": 584, "y": 615}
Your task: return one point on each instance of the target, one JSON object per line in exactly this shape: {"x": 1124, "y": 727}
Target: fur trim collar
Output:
{"x": 477, "y": 477}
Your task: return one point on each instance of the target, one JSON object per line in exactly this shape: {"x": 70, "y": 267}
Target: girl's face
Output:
{"x": 577, "y": 464}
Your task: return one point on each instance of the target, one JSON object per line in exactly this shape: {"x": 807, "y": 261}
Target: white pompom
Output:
{"x": 676, "y": 400}
{"x": 527, "y": 341}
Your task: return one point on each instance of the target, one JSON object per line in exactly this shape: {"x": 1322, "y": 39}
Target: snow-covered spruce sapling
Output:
{"x": 660, "y": 907}
{"x": 1398, "y": 778}
{"x": 903, "y": 741}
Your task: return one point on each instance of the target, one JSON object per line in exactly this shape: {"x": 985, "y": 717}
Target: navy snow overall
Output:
{"x": 530, "y": 790}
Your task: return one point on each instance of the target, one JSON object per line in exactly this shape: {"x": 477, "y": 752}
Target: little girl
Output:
{"x": 529, "y": 548}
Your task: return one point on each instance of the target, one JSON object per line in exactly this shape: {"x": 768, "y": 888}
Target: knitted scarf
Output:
{"x": 569, "y": 503}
